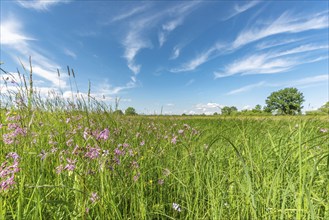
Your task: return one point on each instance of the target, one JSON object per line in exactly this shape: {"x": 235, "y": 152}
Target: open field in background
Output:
{"x": 95, "y": 165}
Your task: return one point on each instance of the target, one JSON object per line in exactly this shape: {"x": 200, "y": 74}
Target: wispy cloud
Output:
{"x": 301, "y": 49}
{"x": 286, "y": 23}
{"x": 240, "y": 8}
{"x": 161, "y": 38}
{"x": 193, "y": 64}
{"x": 40, "y": 5}
{"x": 301, "y": 83}
{"x": 190, "y": 82}
{"x": 136, "y": 37}
{"x": 70, "y": 53}
{"x": 167, "y": 28}
{"x": 133, "y": 43}
{"x": 246, "y": 88}
{"x": 308, "y": 81}
{"x": 176, "y": 53}
{"x": 200, "y": 59}
{"x": 173, "y": 24}
{"x": 178, "y": 13}
{"x": 105, "y": 89}
{"x": 262, "y": 63}
{"x": 130, "y": 13}
{"x": 276, "y": 42}
{"x": 273, "y": 61}
{"x": 14, "y": 39}
{"x": 12, "y": 35}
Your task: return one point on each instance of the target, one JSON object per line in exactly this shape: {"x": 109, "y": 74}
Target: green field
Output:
{"x": 95, "y": 165}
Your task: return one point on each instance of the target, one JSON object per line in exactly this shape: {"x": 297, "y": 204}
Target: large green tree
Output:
{"x": 286, "y": 101}
{"x": 228, "y": 110}
{"x": 130, "y": 111}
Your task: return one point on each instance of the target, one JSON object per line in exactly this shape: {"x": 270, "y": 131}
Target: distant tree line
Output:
{"x": 286, "y": 101}
{"x": 129, "y": 111}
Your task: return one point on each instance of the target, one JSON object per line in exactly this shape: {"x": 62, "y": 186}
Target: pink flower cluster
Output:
{"x": 7, "y": 173}
{"x": 14, "y": 129}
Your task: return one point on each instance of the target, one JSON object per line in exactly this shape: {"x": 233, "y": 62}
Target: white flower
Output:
{"x": 176, "y": 207}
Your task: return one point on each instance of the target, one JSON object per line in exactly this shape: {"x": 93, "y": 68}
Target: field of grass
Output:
{"x": 95, "y": 165}
{"x": 75, "y": 159}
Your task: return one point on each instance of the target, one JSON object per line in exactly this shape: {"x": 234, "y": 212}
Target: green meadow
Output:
{"x": 70, "y": 164}
{"x": 64, "y": 159}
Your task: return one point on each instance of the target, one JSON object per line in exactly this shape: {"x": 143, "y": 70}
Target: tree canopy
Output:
{"x": 130, "y": 111}
{"x": 286, "y": 101}
{"x": 228, "y": 110}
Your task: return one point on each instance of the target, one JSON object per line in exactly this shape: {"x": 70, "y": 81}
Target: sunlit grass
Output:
{"x": 77, "y": 160}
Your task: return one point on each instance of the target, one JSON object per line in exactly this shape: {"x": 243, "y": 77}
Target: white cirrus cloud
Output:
{"x": 286, "y": 23}
{"x": 301, "y": 49}
{"x": 70, "y": 53}
{"x": 130, "y": 12}
{"x": 106, "y": 89}
{"x": 256, "y": 64}
{"x": 190, "y": 82}
{"x": 167, "y": 28}
{"x": 40, "y": 5}
{"x": 277, "y": 42}
{"x": 179, "y": 13}
{"x": 12, "y": 35}
{"x": 309, "y": 81}
{"x": 240, "y": 8}
{"x": 275, "y": 61}
{"x": 200, "y": 59}
{"x": 175, "y": 53}
{"x": 301, "y": 83}
{"x": 247, "y": 88}
{"x": 136, "y": 38}
{"x": 16, "y": 41}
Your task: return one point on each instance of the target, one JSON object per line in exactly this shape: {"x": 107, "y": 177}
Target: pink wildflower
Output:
{"x": 4, "y": 185}
{"x": 71, "y": 164}
{"x": 174, "y": 140}
{"x": 94, "y": 197}
{"x": 136, "y": 177}
{"x": 117, "y": 151}
{"x": 8, "y": 172}
{"x": 93, "y": 153}
{"x": 13, "y": 155}
{"x": 104, "y": 134}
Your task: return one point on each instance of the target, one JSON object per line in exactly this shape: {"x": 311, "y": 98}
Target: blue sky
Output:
{"x": 181, "y": 56}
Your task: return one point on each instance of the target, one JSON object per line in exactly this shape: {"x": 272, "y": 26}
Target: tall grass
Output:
{"x": 79, "y": 161}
